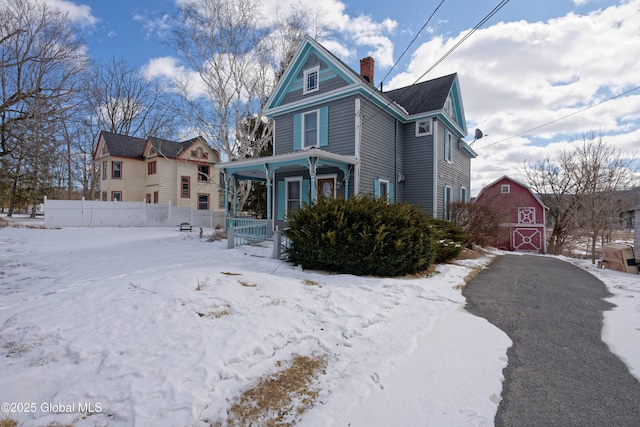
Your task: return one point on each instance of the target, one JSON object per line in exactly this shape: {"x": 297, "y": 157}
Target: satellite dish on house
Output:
{"x": 476, "y": 136}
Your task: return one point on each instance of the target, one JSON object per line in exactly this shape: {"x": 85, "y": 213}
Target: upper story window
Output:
{"x": 105, "y": 170}
{"x": 449, "y": 146}
{"x": 153, "y": 152}
{"x": 185, "y": 187}
{"x": 505, "y": 188}
{"x": 199, "y": 153}
{"x": 448, "y": 107}
{"x": 152, "y": 168}
{"x": 311, "y": 80}
{"x": 310, "y": 131}
{"x": 104, "y": 149}
{"x": 423, "y": 127}
{"x": 203, "y": 173}
{"x": 116, "y": 170}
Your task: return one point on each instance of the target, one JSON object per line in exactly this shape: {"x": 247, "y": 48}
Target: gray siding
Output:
{"x": 341, "y": 128}
{"x": 418, "y": 167}
{"x": 454, "y": 175}
{"x": 328, "y": 80}
{"x": 380, "y": 151}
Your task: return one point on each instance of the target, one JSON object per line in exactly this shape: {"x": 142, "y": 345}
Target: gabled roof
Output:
{"x": 423, "y": 97}
{"x": 515, "y": 181}
{"x": 123, "y": 145}
{"x": 404, "y": 103}
{"x": 134, "y": 148}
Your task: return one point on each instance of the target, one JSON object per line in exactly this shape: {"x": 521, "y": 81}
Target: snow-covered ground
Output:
{"x": 153, "y": 327}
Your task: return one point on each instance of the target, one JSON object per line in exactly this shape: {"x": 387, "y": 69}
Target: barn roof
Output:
{"x": 515, "y": 181}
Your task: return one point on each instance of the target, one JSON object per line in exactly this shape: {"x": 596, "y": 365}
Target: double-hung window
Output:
{"x": 449, "y": 146}
{"x": 311, "y": 129}
{"x": 116, "y": 170}
{"x": 310, "y": 133}
{"x": 203, "y": 173}
{"x": 185, "y": 190}
{"x": 311, "y": 80}
{"x": 294, "y": 194}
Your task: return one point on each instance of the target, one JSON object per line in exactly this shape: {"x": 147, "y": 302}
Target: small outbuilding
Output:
{"x": 523, "y": 213}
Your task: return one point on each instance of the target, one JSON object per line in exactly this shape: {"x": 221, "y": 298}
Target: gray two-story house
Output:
{"x": 337, "y": 135}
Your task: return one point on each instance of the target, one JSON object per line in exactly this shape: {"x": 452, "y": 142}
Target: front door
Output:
{"x": 326, "y": 188}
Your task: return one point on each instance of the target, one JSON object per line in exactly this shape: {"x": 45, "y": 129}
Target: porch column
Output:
{"x": 313, "y": 161}
{"x": 268, "y": 175}
{"x": 226, "y": 195}
{"x": 346, "y": 172}
{"x": 235, "y": 197}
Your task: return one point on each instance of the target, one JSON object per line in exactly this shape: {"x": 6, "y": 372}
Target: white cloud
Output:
{"x": 78, "y": 13}
{"x": 170, "y": 71}
{"x": 346, "y": 31}
{"x": 517, "y": 76}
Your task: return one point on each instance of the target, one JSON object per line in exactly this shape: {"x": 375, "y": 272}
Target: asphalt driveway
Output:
{"x": 559, "y": 373}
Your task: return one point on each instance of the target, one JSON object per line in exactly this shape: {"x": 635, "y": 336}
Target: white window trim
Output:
{"x": 466, "y": 193}
{"x": 504, "y": 187}
{"x": 448, "y": 155}
{"x": 430, "y": 132}
{"x": 304, "y": 130}
{"x": 385, "y": 182}
{"x": 287, "y": 180}
{"x": 305, "y": 89}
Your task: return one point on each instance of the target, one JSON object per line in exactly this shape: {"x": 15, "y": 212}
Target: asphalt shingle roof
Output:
{"x": 132, "y": 147}
{"x": 423, "y": 97}
{"x": 124, "y": 146}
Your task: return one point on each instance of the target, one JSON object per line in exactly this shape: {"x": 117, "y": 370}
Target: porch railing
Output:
{"x": 245, "y": 231}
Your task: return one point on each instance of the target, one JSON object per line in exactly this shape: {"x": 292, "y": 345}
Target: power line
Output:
{"x": 466, "y": 36}
{"x": 414, "y": 39}
{"x": 477, "y": 26}
{"x": 561, "y": 118}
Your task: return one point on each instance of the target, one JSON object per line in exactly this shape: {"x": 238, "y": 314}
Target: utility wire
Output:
{"x": 466, "y": 36}
{"x": 561, "y": 118}
{"x": 414, "y": 39}
{"x": 482, "y": 22}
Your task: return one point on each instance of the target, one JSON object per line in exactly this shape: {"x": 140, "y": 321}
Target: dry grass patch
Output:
{"x": 247, "y": 284}
{"x": 280, "y": 398}
{"x": 215, "y": 313}
{"x": 202, "y": 283}
{"x": 308, "y": 282}
{"x": 8, "y": 422}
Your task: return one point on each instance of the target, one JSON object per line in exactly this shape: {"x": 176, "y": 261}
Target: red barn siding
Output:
{"x": 523, "y": 215}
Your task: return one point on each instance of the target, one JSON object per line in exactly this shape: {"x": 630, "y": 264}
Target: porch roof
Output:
{"x": 256, "y": 168}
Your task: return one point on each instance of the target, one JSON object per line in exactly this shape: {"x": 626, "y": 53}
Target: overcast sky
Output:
{"x": 531, "y": 64}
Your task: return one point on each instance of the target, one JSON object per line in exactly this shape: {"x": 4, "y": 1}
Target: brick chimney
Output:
{"x": 366, "y": 68}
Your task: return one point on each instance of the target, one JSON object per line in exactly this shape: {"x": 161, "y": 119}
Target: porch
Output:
{"x": 290, "y": 180}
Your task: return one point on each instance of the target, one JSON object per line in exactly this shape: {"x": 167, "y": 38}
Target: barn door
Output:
{"x": 527, "y": 239}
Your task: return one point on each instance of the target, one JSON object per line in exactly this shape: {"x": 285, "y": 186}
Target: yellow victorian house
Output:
{"x": 159, "y": 171}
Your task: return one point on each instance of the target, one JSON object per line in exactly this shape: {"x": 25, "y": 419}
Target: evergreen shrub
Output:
{"x": 362, "y": 236}
{"x": 450, "y": 238}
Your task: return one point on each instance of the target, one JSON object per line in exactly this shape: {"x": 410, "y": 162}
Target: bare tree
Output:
{"x": 222, "y": 41}
{"x": 120, "y": 99}
{"x": 582, "y": 189}
{"x": 39, "y": 61}
{"x": 601, "y": 171}
{"x": 556, "y": 188}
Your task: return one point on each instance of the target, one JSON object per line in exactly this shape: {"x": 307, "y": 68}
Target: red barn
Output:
{"x": 523, "y": 213}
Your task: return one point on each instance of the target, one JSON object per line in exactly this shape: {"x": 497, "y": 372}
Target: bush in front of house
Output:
{"x": 362, "y": 236}
{"x": 450, "y": 238}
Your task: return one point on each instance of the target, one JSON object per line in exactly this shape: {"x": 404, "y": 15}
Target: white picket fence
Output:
{"x": 94, "y": 213}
